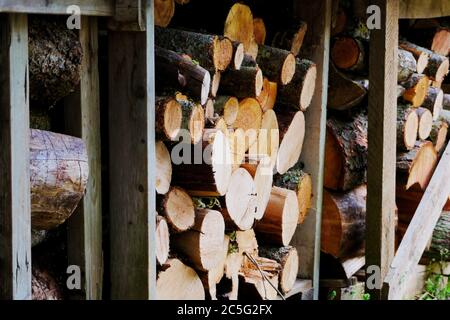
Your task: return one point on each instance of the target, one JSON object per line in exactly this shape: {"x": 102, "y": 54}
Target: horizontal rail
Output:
{"x": 88, "y": 7}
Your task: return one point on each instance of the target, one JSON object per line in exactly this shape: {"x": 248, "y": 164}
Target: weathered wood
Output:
{"x": 15, "y": 218}
{"x": 88, "y": 7}
{"x": 350, "y": 53}
{"x": 239, "y": 25}
{"x": 419, "y": 53}
{"x": 439, "y": 134}
{"x": 169, "y": 115}
{"x": 407, "y": 65}
{"x": 163, "y": 168}
{"x": 162, "y": 243}
{"x": 440, "y": 241}
{"x": 415, "y": 9}
{"x": 416, "y": 89}
{"x": 178, "y": 208}
{"x": 44, "y": 285}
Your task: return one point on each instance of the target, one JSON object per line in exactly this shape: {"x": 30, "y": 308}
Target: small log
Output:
{"x": 290, "y": 38}
{"x": 287, "y": 257}
{"x": 259, "y": 31}
{"x": 291, "y": 135}
{"x": 203, "y": 243}
{"x": 168, "y": 117}
{"x": 406, "y": 65}
{"x": 278, "y": 65}
{"x": 438, "y": 135}
{"x": 227, "y": 107}
{"x": 44, "y": 286}
{"x": 437, "y": 67}
{"x": 435, "y": 38}
{"x": 278, "y": 225}
{"x": 299, "y": 92}
{"x": 434, "y": 101}
{"x": 177, "y": 207}
{"x": 407, "y": 126}
{"x": 59, "y": 174}
{"x": 346, "y": 153}
{"x": 215, "y": 83}
{"x": 177, "y": 281}
{"x": 268, "y": 95}
{"x": 163, "y": 12}
{"x": 193, "y": 119}
{"x": 343, "y": 222}
{"x": 162, "y": 240}
{"x": 238, "y": 55}
{"x": 242, "y": 83}
{"x": 416, "y": 89}
{"x": 420, "y": 54}
{"x": 425, "y": 124}
{"x": 163, "y": 168}
{"x": 212, "y": 52}
{"x": 249, "y": 119}
{"x": 268, "y": 140}
{"x": 239, "y": 25}
{"x": 350, "y": 54}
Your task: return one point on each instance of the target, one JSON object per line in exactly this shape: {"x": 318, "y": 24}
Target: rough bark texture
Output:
{"x": 433, "y": 101}
{"x": 242, "y": 83}
{"x": 290, "y": 38}
{"x": 37, "y": 237}
{"x": 438, "y": 135}
{"x": 440, "y": 241}
{"x": 178, "y": 208}
{"x": 278, "y": 65}
{"x": 44, "y": 286}
{"x": 420, "y": 54}
{"x": 192, "y": 119}
{"x": 406, "y": 65}
{"x": 287, "y": 257}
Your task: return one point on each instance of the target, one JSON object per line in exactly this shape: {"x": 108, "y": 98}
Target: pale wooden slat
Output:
{"x": 420, "y": 230}
{"x": 82, "y": 114}
{"x": 15, "y": 203}
{"x": 380, "y": 216}
{"x": 307, "y": 238}
{"x": 88, "y": 7}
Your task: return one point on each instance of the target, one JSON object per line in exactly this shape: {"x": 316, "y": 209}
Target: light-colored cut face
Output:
{"x": 239, "y": 25}
{"x": 263, "y": 184}
{"x": 297, "y": 42}
{"x": 333, "y": 162}
{"x": 162, "y": 241}
{"x": 163, "y": 168}
{"x": 197, "y": 124}
{"x": 292, "y": 143}
{"x": 211, "y": 239}
{"x": 441, "y": 42}
{"x": 289, "y": 273}
{"x": 239, "y": 56}
{"x": 206, "y": 86}
{"x": 259, "y": 82}
{"x": 288, "y": 69}
{"x": 309, "y": 85}
{"x": 345, "y": 53}
{"x": 230, "y": 110}
{"x": 180, "y": 209}
{"x": 304, "y": 195}
{"x": 422, "y": 166}
{"x": 331, "y": 226}
{"x": 221, "y": 161}
{"x": 425, "y": 124}
{"x": 209, "y": 109}
{"x": 290, "y": 217}
{"x": 223, "y": 53}
{"x": 442, "y": 137}
{"x": 422, "y": 62}
{"x": 442, "y": 71}
{"x": 411, "y": 127}
{"x": 269, "y": 136}
{"x": 421, "y": 90}
{"x": 172, "y": 119}
{"x": 215, "y": 84}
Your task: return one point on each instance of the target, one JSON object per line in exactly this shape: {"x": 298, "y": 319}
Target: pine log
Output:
{"x": 259, "y": 31}
{"x": 343, "y": 93}
{"x": 176, "y": 281}
{"x": 425, "y": 124}
{"x": 406, "y": 65}
{"x": 202, "y": 244}
{"x": 192, "y": 119}
{"x": 58, "y": 173}
{"x": 212, "y": 52}
{"x": 346, "y": 153}
{"x": 162, "y": 240}
{"x": 416, "y": 166}
{"x": 434, "y": 101}
{"x": 343, "y": 222}
{"x": 238, "y": 55}
{"x": 239, "y": 25}
{"x": 278, "y": 225}
{"x": 163, "y": 168}
{"x": 299, "y": 92}
{"x": 278, "y": 65}
{"x": 177, "y": 207}
{"x": 407, "y": 126}
{"x": 437, "y": 67}
{"x": 290, "y": 38}
{"x": 440, "y": 241}
{"x": 268, "y": 95}
{"x": 416, "y": 89}
{"x": 174, "y": 70}
{"x": 350, "y": 54}
{"x": 168, "y": 117}
{"x": 242, "y": 83}
{"x": 301, "y": 183}
{"x": 227, "y": 107}
{"x": 420, "y": 54}
{"x": 287, "y": 257}
{"x": 438, "y": 135}
{"x": 55, "y": 56}
{"x": 249, "y": 119}
{"x": 253, "y": 285}
{"x": 163, "y": 12}
{"x": 44, "y": 286}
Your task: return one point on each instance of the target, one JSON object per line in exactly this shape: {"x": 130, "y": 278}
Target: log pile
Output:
{"x": 230, "y": 127}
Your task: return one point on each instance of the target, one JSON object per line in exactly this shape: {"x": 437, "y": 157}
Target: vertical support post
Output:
{"x": 15, "y": 203}
{"x": 380, "y": 217}
{"x": 82, "y": 113}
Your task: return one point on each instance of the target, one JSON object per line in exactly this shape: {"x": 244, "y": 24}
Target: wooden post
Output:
{"x": 15, "y": 202}
{"x": 380, "y": 217}
{"x": 307, "y": 238}
{"x": 82, "y": 113}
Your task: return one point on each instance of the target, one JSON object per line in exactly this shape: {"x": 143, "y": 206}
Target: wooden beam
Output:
{"x": 15, "y": 202}
{"x": 417, "y": 9}
{"x": 307, "y": 238}
{"x": 380, "y": 217}
{"x": 129, "y": 16}
{"x": 88, "y": 7}
{"x": 82, "y": 113}
{"x": 419, "y": 231}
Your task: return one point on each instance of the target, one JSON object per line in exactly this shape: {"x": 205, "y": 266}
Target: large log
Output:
{"x": 239, "y": 25}
{"x": 227, "y": 107}
{"x": 290, "y": 38}
{"x": 55, "y": 56}
{"x": 407, "y": 127}
{"x": 162, "y": 240}
{"x": 178, "y": 208}
{"x": 202, "y": 244}
{"x": 163, "y": 168}
{"x": 168, "y": 118}
{"x": 406, "y": 65}
{"x": 278, "y": 65}
{"x": 249, "y": 119}
{"x": 59, "y": 173}
{"x": 343, "y": 222}
{"x": 434, "y": 37}
{"x": 425, "y": 124}
{"x": 434, "y": 101}
{"x": 350, "y": 54}
{"x": 346, "y": 152}
{"x": 416, "y": 89}
{"x": 420, "y": 54}
{"x": 242, "y": 83}
{"x": 163, "y": 12}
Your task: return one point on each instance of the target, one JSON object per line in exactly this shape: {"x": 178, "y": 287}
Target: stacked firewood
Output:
{"x": 229, "y": 114}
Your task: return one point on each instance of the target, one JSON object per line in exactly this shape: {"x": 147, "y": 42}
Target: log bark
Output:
{"x": 407, "y": 127}
{"x": 350, "y": 54}
{"x": 239, "y": 25}
{"x": 202, "y": 245}
{"x": 290, "y": 38}
{"x": 168, "y": 118}
{"x": 446, "y": 101}
{"x": 416, "y": 89}
{"x": 259, "y": 31}
{"x": 343, "y": 223}
{"x": 346, "y": 153}
{"x": 287, "y": 257}
{"x": 177, "y": 207}
{"x": 212, "y": 52}
{"x": 420, "y": 54}
{"x": 163, "y": 12}
{"x": 440, "y": 241}
{"x": 299, "y": 92}
{"x": 278, "y": 65}
{"x": 406, "y": 65}
{"x": 277, "y": 227}
{"x": 44, "y": 286}
{"x": 163, "y": 168}
{"x": 434, "y": 101}
{"x": 192, "y": 119}
{"x": 59, "y": 173}
{"x": 438, "y": 135}
{"x": 162, "y": 240}
{"x": 242, "y": 83}
{"x": 425, "y": 124}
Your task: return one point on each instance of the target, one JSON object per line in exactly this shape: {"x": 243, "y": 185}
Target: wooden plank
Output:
{"x": 416, "y": 9}
{"x": 380, "y": 216}
{"x": 307, "y": 238}
{"x": 129, "y": 16}
{"x": 15, "y": 202}
{"x": 419, "y": 231}
{"x": 82, "y": 112}
{"x": 88, "y": 7}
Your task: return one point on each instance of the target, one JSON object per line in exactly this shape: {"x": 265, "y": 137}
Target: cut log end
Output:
{"x": 259, "y": 82}
{"x": 163, "y": 168}
{"x": 221, "y": 162}
{"x": 230, "y": 110}
{"x": 172, "y": 118}
{"x": 442, "y": 71}
{"x": 308, "y": 88}
{"x": 425, "y": 125}
{"x": 416, "y": 89}
{"x": 345, "y": 53}
{"x": 239, "y": 25}
{"x": 206, "y": 85}
{"x": 288, "y": 69}
{"x": 178, "y": 208}
{"x": 422, "y": 62}
{"x": 291, "y": 143}
{"x": 239, "y": 54}
{"x": 215, "y": 83}
{"x": 197, "y": 124}
{"x": 162, "y": 240}
{"x": 222, "y": 53}
{"x": 259, "y": 31}
{"x": 163, "y": 11}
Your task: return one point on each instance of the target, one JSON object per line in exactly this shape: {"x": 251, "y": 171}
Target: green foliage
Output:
{"x": 332, "y": 295}
{"x": 437, "y": 284}
{"x": 366, "y": 296}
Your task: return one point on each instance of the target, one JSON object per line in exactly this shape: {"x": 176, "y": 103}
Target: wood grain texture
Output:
{"x": 88, "y": 7}
{"x": 15, "y": 203}
{"x": 380, "y": 216}
{"x": 82, "y": 113}
{"x": 415, "y": 9}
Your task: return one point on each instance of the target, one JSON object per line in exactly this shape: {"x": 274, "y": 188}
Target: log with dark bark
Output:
{"x": 416, "y": 89}
{"x": 59, "y": 173}
{"x": 38, "y": 236}
{"x": 163, "y": 168}
{"x": 407, "y": 127}
{"x": 420, "y": 54}
{"x": 346, "y": 152}
{"x": 350, "y": 54}
{"x": 425, "y": 124}
{"x": 440, "y": 241}
{"x": 438, "y": 135}
{"x": 242, "y": 83}
{"x": 343, "y": 222}
{"x": 299, "y": 92}
{"x": 44, "y": 286}
{"x": 212, "y": 52}
{"x": 278, "y": 65}
{"x": 55, "y": 56}
{"x": 406, "y": 65}
{"x": 177, "y": 207}
{"x": 162, "y": 240}
{"x": 287, "y": 257}
{"x": 168, "y": 117}
{"x": 434, "y": 101}
{"x": 290, "y": 38}
{"x": 192, "y": 118}
{"x": 163, "y": 12}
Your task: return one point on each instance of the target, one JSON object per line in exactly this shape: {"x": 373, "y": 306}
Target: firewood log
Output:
{"x": 177, "y": 71}
{"x": 420, "y": 54}
{"x": 425, "y": 124}
{"x": 163, "y": 12}
{"x": 343, "y": 222}
{"x": 438, "y": 135}
{"x": 259, "y": 31}
{"x": 192, "y": 118}
{"x": 346, "y": 153}
{"x": 416, "y": 166}
{"x": 252, "y": 285}
{"x": 434, "y": 101}
{"x": 416, "y": 89}
{"x": 278, "y": 65}
{"x": 163, "y": 168}
{"x": 239, "y": 25}
{"x": 238, "y": 55}
{"x": 212, "y": 52}
{"x": 242, "y": 83}
{"x": 202, "y": 244}
{"x": 168, "y": 117}
{"x": 435, "y": 38}
{"x": 268, "y": 95}
{"x": 301, "y": 183}
{"x": 291, "y": 135}
{"x": 44, "y": 286}
{"x": 407, "y": 126}
{"x": 278, "y": 225}
{"x": 350, "y": 54}
{"x": 249, "y": 119}
{"x": 58, "y": 173}
{"x": 406, "y": 65}
{"x": 290, "y": 38}
{"x": 177, "y": 207}
{"x": 177, "y": 281}
{"x": 162, "y": 240}
{"x": 226, "y": 107}
{"x": 440, "y": 241}
{"x": 299, "y": 92}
